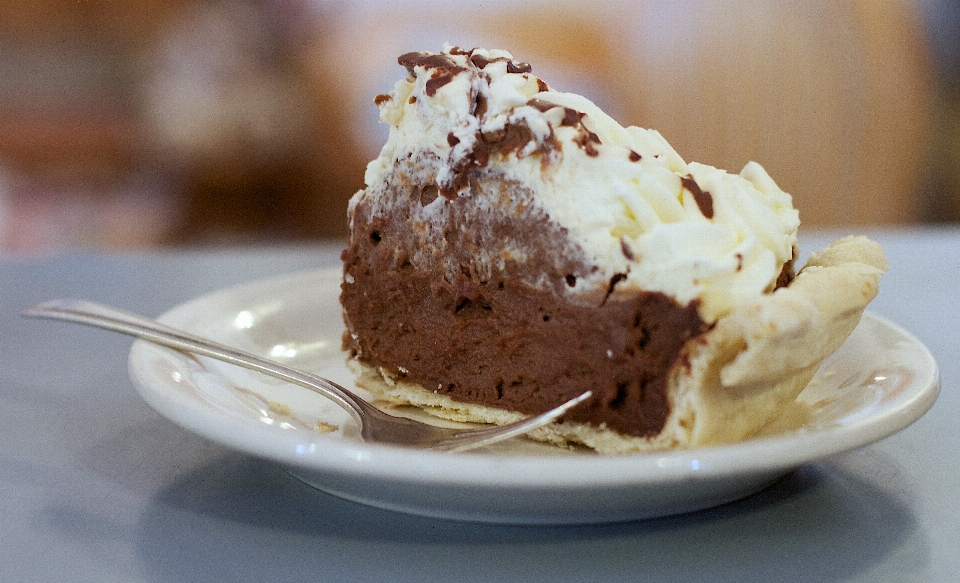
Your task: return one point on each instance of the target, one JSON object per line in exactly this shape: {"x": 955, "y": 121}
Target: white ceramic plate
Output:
{"x": 879, "y": 382}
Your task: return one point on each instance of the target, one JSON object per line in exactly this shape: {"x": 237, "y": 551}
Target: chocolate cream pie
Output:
{"x": 515, "y": 247}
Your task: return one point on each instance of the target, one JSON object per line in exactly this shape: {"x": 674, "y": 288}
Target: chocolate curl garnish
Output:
{"x": 703, "y": 198}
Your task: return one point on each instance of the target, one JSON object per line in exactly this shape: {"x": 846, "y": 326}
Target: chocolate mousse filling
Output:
{"x": 475, "y": 299}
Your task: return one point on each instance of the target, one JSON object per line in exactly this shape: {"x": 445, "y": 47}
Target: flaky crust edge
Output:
{"x": 731, "y": 382}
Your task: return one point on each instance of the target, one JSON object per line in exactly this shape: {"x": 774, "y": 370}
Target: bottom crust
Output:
{"x": 741, "y": 377}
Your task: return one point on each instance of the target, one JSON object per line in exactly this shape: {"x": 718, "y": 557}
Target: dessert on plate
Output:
{"x": 515, "y": 247}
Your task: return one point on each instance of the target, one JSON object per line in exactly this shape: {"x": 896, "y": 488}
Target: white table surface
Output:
{"x": 95, "y": 486}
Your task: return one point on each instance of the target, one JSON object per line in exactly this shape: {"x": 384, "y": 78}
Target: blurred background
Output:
{"x": 231, "y": 122}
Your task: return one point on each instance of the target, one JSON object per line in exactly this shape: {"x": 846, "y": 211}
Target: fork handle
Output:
{"x": 109, "y": 318}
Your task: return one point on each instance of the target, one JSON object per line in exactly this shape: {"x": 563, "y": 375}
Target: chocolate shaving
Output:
{"x": 480, "y": 109}
{"x": 585, "y": 139}
{"x": 572, "y": 117}
{"x": 788, "y": 272}
{"x": 480, "y": 61}
{"x": 617, "y": 278}
{"x": 512, "y": 138}
{"x": 513, "y": 67}
{"x": 445, "y": 68}
{"x": 703, "y": 198}
{"x": 541, "y": 105}
{"x": 438, "y": 81}
{"x": 426, "y": 60}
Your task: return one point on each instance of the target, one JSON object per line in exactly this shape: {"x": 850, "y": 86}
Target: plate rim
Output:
{"x": 334, "y": 455}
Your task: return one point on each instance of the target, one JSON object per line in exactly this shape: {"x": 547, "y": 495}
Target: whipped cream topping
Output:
{"x": 642, "y": 214}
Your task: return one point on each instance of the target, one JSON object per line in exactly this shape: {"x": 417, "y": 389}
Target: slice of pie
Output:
{"x": 516, "y": 247}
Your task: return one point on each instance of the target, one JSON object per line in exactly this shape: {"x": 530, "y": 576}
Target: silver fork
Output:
{"x": 375, "y": 425}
